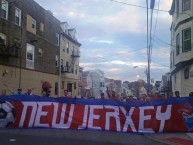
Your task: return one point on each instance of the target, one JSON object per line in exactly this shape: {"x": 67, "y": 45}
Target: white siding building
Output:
{"x": 95, "y": 82}
{"x": 181, "y": 56}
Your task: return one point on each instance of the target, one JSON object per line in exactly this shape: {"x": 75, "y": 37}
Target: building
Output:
{"x": 86, "y": 88}
{"x": 30, "y": 47}
{"x": 81, "y": 83}
{"x": 93, "y": 82}
{"x": 126, "y": 91}
{"x": 69, "y": 58}
{"x": 181, "y": 56}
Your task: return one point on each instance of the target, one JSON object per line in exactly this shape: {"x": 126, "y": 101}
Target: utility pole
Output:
{"x": 149, "y": 44}
{"x": 21, "y": 47}
{"x": 148, "y": 54}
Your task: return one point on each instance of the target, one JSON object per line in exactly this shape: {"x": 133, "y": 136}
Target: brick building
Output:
{"x": 29, "y": 47}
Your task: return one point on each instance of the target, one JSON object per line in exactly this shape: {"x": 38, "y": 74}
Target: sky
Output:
{"x": 114, "y": 35}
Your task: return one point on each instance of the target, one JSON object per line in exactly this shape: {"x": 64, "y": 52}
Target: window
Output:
{"x": 33, "y": 23}
{"x": 67, "y": 66}
{"x": 42, "y": 27}
{"x": 186, "y": 73}
{"x": 30, "y": 56}
{"x": 62, "y": 62}
{"x": 57, "y": 39}
{"x": 76, "y": 70}
{"x": 173, "y": 58}
{"x": 67, "y": 47}
{"x": 75, "y": 85}
{"x": 3, "y": 37}
{"x": 170, "y": 59}
{"x": 17, "y": 16}
{"x": 72, "y": 70}
{"x": 62, "y": 87}
{"x": 185, "y": 5}
{"x": 56, "y": 88}
{"x": 186, "y": 40}
{"x": 177, "y": 8}
{"x": 40, "y": 52}
{"x": 177, "y": 44}
{"x": 56, "y": 60}
{"x": 4, "y": 9}
{"x": 69, "y": 88}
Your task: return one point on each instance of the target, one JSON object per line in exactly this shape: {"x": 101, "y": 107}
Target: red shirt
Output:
{"x": 114, "y": 98}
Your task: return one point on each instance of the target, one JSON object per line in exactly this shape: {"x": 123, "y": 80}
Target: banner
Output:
{"x": 172, "y": 115}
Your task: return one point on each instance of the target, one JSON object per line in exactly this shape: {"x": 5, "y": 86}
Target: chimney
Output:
{"x": 64, "y": 26}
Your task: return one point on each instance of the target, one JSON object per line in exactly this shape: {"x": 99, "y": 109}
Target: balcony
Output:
{"x": 9, "y": 51}
{"x": 75, "y": 53}
{"x": 65, "y": 69}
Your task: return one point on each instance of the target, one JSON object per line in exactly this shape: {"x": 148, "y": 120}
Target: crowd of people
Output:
{"x": 109, "y": 95}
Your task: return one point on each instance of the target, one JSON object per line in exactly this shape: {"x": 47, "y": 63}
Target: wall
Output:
{"x": 29, "y": 79}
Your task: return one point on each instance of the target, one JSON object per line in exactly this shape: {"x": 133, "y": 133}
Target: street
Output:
{"x": 71, "y": 137}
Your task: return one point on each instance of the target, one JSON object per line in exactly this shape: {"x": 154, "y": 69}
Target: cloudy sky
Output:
{"x": 113, "y": 35}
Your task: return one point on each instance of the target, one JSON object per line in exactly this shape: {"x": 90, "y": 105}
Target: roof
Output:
{"x": 118, "y": 82}
{"x": 171, "y": 11}
{"x": 85, "y": 74}
{"x": 181, "y": 65}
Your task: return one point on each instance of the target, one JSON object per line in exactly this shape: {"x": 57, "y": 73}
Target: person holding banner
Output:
{"x": 102, "y": 95}
{"x": 29, "y": 91}
{"x": 190, "y": 94}
{"x": 177, "y": 93}
{"x": 113, "y": 96}
{"x": 66, "y": 94}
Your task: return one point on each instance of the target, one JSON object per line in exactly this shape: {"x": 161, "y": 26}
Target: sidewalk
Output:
{"x": 172, "y": 138}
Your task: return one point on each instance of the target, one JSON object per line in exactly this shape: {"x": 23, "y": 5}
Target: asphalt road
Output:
{"x": 71, "y": 137}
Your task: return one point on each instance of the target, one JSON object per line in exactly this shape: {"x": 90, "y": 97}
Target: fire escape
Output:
{"x": 69, "y": 68}
{"x": 9, "y": 50}
{"x": 9, "y": 54}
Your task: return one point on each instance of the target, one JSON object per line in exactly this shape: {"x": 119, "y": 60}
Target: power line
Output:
{"x": 166, "y": 43}
{"x": 161, "y": 64}
{"x": 109, "y": 56}
{"x": 134, "y": 5}
{"x": 143, "y": 7}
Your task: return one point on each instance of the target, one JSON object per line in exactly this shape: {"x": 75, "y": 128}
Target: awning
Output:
{"x": 46, "y": 85}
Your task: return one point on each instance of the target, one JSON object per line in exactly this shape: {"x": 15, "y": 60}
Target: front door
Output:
{"x": 69, "y": 89}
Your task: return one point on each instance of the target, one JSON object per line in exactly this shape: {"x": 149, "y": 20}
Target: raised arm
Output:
{"x": 108, "y": 92}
